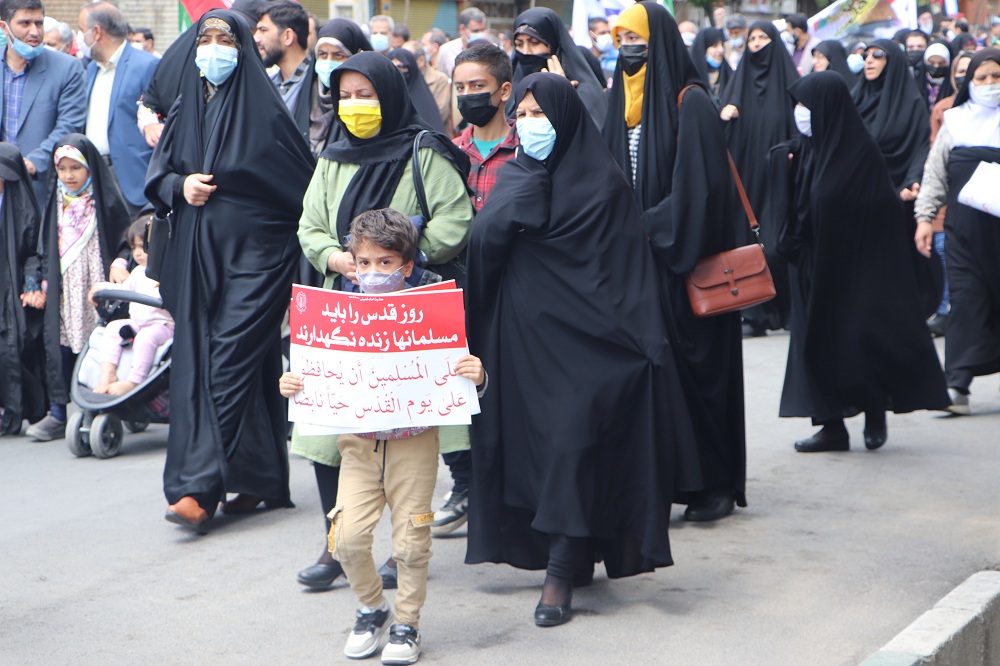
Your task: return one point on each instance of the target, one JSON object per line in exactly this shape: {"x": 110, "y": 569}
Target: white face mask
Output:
{"x": 605, "y": 43}
{"x": 803, "y": 119}
{"x": 855, "y": 63}
{"x": 985, "y": 95}
{"x": 688, "y": 38}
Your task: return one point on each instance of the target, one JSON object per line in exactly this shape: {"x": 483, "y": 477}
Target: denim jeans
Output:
{"x": 939, "y": 248}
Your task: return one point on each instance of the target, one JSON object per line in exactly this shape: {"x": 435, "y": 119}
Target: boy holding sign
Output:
{"x": 396, "y": 467}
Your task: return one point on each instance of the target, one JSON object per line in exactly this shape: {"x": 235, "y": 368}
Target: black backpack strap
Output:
{"x": 418, "y": 180}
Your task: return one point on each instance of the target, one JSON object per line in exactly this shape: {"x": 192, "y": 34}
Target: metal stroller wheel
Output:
{"x": 75, "y": 439}
{"x": 136, "y": 426}
{"x": 106, "y": 435}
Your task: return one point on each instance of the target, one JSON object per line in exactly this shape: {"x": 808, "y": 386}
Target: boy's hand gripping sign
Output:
{"x": 377, "y": 362}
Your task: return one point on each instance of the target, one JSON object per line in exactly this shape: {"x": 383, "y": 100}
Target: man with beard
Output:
{"x": 282, "y": 38}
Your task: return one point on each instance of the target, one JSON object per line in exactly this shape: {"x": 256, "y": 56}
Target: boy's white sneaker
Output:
{"x": 369, "y": 629}
{"x": 403, "y": 646}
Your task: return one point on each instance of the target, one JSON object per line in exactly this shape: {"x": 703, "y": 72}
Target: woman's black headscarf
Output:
{"x": 546, "y": 25}
{"x": 705, "y": 38}
{"x": 384, "y": 156}
{"x": 668, "y": 71}
{"x": 853, "y": 348}
{"x": 991, "y": 54}
{"x": 963, "y": 41}
{"x": 22, "y": 387}
{"x": 112, "y": 219}
{"x": 562, "y": 292}
{"x": 835, "y": 52}
{"x": 420, "y": 95}
{"x": 896, "y": 116}
{"x": 347, "y": 33}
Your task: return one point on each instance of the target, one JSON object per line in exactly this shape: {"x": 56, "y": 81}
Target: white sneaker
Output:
{"x": 368, "y": 631}
{"x": 959, "y": 403}
{"x": 452, "y": 515}
{"x": 403, "y": 646}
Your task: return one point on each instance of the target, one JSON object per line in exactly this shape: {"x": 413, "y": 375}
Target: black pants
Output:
{"x": 460, "y": 465}
{"x": 327, "y": 481}
{"x": 569, "y": 556}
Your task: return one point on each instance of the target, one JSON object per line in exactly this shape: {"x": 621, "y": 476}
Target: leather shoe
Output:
{"x": 390, "y": 576}
{"x": 188, "y": 513}
{"x": 241, "y": 504}
{"x": 824, "y": 442}
{"x": 321, "y": 576}
{"x": 875, "y": 434}
{"x": 709, "y": 506}
{"x": 553, "y": 616}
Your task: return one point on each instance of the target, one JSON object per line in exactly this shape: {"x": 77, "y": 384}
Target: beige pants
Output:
{"x": 400, "y": 473}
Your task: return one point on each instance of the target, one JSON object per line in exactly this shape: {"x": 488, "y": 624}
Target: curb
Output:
{"x": 963, "y": 629}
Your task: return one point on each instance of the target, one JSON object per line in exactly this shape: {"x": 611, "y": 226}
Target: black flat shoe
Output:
{"x": 709, "y": 506}
{"x": 321, "y": 576}
{"x": 822, "y": 442}
{"x": 553, "y": 616}
{"x": 875, "y": 437}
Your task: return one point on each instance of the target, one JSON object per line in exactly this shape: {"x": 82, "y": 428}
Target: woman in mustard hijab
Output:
{"x": 675, "y": 158}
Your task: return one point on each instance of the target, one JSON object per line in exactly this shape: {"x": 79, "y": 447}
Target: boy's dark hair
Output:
{"x": 285, "y": 14}
{"x": 596, "y": 21}
{"x": 401, "y": 31}
{"x": 386, "y": 228}
{"x": 9, "y": 7}
{"x": 496, "y": 61}
{"x": 147, "y": 34}
{"x": 137, "y": 228}
{"x": 917, "y": 33}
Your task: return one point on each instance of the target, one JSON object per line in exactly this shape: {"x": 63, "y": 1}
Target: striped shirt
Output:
{"x": 13, "y": 95}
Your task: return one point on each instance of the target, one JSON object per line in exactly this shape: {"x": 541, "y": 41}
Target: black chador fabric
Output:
{"x": 22, "y": 367}
{"x": 972, "y": 347}
{"x": 113, "y": 219}
{"x": 384, "y": 156}
{"x": 684, "y": 190}
{"x": 579, "y": 426}
{"x": 165, "y": 86}
{"x": 227, "y": 277}
{"x": 765, "y": 119}
{"x": 547, "y": 23}
{"x": 858, "y": 337}
{"x": 704, "y": 39}
{"x": 837, "y": 55}
{"x": 896, "y": 116}
{"x": 420, "y": 95}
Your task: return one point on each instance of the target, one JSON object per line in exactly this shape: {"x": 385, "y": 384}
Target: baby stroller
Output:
{"x": 97, "y": 427}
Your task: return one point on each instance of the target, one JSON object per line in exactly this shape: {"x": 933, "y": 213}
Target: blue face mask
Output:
{"x": 23, "y": 50}
{"x": 381, "y": 283}
{"x": 216, "y": 62}
{"x": 324, "y": 68}
{"x": 712, "y": 63}
{"x": 537, "y": 137}
{"x": 66, "y": 190}
{"x": 737, "y": 42}
{"x": 380, "y": 42}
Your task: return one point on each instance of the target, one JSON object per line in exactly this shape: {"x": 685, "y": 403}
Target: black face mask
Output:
{"x": 532, "y": 64}
{"x": 959, "y": 80}
{"x": 633, "y": 57}
{"x": 477, "y": 108}
{"x": 915, "y": 57}
{"x": 938, "y": 72}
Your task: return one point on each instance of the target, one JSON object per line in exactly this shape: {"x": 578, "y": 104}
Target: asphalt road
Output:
{"x": 836, "y": 554}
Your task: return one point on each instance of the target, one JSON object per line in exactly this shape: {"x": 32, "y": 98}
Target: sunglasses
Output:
{"x": 878, "y": 54}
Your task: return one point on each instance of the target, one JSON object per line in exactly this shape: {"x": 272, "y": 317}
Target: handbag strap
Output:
{"x": 418, "y": 180}
{"x": 751, "y": 218}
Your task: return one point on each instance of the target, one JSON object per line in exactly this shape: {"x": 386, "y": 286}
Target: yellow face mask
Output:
{"x": 361, "y": 117}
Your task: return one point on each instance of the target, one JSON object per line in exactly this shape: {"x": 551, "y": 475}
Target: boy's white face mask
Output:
{"x": 381, "y": 283}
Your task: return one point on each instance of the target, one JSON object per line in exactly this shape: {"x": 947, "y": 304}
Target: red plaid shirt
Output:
{"x": 483, "y": 174}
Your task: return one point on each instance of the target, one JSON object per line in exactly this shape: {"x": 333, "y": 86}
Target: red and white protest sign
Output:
{"x": 377, "y": 362}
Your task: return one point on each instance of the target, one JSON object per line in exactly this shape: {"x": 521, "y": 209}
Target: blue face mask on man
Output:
{"x": 380, "y": 42}
{"x": 324, "y": 68}
{"x": 22, "y": 49}
{"x": 537, "y": 137}
{"x": 216, "y": 62}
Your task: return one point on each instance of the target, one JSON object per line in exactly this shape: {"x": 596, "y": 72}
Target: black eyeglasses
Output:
{"x": 878, "y": 54}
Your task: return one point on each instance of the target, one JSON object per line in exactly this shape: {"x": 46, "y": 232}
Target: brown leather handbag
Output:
{"x": 734, "y": 279}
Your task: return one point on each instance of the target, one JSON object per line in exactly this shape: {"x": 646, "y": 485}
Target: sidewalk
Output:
{"x": 836, "y": 554}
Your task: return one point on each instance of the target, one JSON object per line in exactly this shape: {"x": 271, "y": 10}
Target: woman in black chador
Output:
{"x": 969, "y": 136}
{"x": 420, "y": 94}
{"x": 758, "y": 116}
{"x": 683, "y": 188}
{"x": 709, "y": 56}
{"x": 22, "y": 389}
{"x": 858, "y": 338}
{"x": 227, "y": 274}
{"x": 574, "y": 450}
